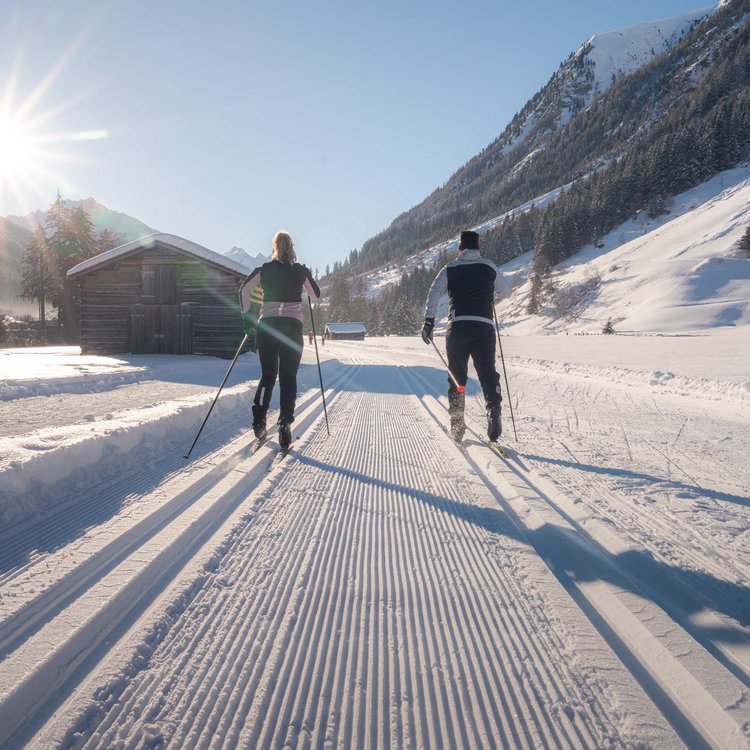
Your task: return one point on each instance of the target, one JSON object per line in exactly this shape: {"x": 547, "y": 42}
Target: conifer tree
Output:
{"x": 339, "y": 308}
{"x": 38, "y": 280}
{"x": 70, "y": 239}
{"x": 745, "y": 241}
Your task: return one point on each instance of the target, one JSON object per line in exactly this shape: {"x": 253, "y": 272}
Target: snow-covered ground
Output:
{"x": 380, "y": 586}
{"x": 679, "y": 273}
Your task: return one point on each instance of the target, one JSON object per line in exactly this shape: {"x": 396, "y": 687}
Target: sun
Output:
{"x": 36, "y": 159}
{"x": 16, "y": 150}
{"x": 39, "y": 155}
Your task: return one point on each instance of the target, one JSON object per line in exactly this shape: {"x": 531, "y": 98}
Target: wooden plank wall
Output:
{"x": 200, "y": 310}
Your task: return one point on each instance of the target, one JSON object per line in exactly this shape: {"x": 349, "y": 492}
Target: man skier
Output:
{"x": 471, "y": 282}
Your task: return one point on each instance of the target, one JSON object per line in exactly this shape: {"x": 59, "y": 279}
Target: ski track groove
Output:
{"x": 422, "y": 639}
{"x": 525, "y": 651}
{"x": 679, "y": 542}
{"x": 694, "y": 737}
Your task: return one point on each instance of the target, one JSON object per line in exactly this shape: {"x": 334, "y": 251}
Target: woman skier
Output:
{"x": 279, "y": 337}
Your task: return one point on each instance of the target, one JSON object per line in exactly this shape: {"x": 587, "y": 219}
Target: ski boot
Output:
{"x": 456, "y": 403}
{"x": 494, "y": 425}
{"x": 259, "y": 422}
{"x": 457, "y": 427}
{"x": 285, "y": 434}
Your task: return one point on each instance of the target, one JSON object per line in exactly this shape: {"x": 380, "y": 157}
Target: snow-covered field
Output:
{"x": 379, "y": 587}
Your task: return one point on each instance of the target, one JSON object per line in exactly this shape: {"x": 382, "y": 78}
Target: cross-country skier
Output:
{"x": 472, "y": 283}
{"x": 279, "y": 337}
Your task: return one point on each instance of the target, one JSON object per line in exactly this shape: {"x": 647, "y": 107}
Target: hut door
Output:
{"x": 155, "y": 329}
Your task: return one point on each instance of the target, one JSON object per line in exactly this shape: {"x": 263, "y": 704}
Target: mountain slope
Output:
{"x": 679, "y": 273}
{"x": 560, "y": 135}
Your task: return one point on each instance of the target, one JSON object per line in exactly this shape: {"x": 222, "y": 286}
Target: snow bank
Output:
{"x": 32, "y": 465}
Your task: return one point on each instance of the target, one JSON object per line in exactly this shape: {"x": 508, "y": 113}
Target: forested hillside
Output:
{"x": 654, "y": 132}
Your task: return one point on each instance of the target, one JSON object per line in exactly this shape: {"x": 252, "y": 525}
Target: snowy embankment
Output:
{"x": 90, "y": 447}
{"x": 383, "y": 586}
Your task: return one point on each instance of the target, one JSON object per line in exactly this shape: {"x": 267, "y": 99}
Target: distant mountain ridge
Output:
{"x": 242, "y": 256}
{"x": 125, "y": 227}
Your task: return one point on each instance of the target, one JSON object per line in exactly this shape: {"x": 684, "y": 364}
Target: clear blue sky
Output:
{"x": 226, "y": 121}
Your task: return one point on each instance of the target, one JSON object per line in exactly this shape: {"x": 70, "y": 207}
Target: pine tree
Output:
{"x": 70, "y": 238}
{"x": 107, "y": 240}
{"x": 38, "y": 280}
{"x": 340, "y": 303}
{"x": 745, "y": 241}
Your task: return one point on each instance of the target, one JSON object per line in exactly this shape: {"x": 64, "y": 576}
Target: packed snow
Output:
{"x": 380, "y": 586}
{"x": 618, "y": 53}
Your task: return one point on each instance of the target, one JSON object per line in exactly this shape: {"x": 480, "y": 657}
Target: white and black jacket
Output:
{"x": 472, "y": 284}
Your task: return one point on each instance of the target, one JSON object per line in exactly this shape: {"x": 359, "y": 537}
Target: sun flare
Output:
{"x": 16, "y": 149}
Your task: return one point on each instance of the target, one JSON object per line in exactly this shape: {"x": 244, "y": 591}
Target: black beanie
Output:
{"x": 469, "y": 240}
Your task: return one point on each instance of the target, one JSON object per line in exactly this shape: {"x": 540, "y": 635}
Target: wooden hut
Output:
{"x": 160, "y": 294}
{"x": 345, "y": 331}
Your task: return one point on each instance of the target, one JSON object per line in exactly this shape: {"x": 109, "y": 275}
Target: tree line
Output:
{"x": 398, "y": 311}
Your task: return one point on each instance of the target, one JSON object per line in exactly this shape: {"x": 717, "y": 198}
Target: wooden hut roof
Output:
{"x": 346, "y": 327}
{"x": 163, "y": 240}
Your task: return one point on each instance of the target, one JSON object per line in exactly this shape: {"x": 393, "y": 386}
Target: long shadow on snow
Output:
{"x": 650, "y": 478}
{"x": 90, "y": 497}
{"x": 73, "y": 510}
{"x": 385, "y": 379}
{"x": 678, "y": 591}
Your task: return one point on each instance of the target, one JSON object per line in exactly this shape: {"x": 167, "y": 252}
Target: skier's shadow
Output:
{"x": 680, "y": 592}
{"x": 651, "y": 479}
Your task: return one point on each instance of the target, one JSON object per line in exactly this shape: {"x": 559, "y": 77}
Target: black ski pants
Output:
{"x": 475, "y": 339}
{"x": 279, "y": 342}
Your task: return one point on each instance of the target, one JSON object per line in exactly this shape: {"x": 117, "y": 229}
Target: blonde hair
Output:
{"x": 283, "y": 247}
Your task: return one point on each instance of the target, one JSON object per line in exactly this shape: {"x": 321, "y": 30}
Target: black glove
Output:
{"x": 429, "y": 324}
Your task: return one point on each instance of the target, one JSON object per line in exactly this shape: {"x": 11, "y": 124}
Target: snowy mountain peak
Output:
{"x": 620, "y": 52}
{"x": 591, "y": 70}
{"x": 242, "y": 256}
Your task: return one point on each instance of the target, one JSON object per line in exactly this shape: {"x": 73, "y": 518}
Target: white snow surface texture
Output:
{"x": 381, "y": 586}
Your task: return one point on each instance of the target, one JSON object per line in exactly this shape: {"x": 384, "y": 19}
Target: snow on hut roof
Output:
{"x": 346, "y": 327}
{"x": 152, "y": 240}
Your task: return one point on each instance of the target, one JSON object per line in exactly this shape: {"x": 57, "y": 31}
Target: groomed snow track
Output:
{"x": 366, "y": 593}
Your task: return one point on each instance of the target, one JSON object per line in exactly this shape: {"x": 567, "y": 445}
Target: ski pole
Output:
{"x": 459, "y": 388}
{"x": 320, "y": 372}
{"x": 505, "y": 374}
{"x": 213, "y": 403}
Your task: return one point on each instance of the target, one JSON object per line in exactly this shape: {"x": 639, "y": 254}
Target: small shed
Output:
{"x": 160, "y": 294}
{"x": 345, "y": 331}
